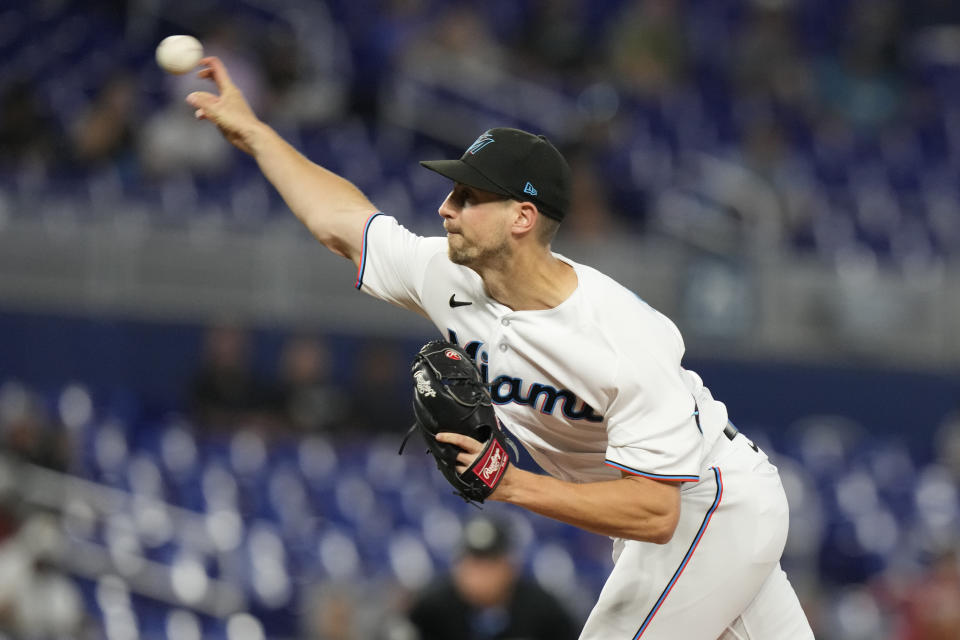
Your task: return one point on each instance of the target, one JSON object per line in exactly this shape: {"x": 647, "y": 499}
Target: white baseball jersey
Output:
{"x": 593, "y": 388}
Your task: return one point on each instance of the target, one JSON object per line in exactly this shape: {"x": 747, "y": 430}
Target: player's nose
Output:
{"x": 447, "y": 210}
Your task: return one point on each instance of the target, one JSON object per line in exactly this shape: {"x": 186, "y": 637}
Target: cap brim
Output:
{"x": 460, "y": 171}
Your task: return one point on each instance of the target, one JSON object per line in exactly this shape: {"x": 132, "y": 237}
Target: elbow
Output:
{"x": 337, "y": 246}
{"x": 660, "y": 527}
{"x": 330, "y": 240}
{"x": 662, "y": 531}
{"x": 657, "y": 511}
{"x": 323, "y": 234}
{"x": 657, "y": 529}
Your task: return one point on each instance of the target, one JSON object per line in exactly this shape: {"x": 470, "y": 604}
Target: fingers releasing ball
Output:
{"x": 179, "y": 54}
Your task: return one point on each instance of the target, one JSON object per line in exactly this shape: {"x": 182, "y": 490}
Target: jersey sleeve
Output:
{"x": 394, "y": 262}
{"x": 651, "y": 427}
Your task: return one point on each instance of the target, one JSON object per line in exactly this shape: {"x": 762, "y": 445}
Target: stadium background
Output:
{"x": 780, "y": 177}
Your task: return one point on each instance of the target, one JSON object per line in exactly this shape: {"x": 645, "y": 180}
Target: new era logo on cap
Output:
{"x": 529, "y": 188}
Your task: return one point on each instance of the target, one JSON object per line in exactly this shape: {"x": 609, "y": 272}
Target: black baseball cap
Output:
{"x": 516, "y": 164}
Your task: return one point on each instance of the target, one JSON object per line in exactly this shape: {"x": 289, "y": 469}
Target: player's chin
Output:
{"x": 455, "y": 249}
{"x": 456, "y": 256}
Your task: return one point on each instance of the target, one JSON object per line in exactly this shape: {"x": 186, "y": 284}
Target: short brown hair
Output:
{"x": 546, "y": 229}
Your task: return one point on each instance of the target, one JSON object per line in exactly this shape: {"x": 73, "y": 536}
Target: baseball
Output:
{"x": 179, "y": 54}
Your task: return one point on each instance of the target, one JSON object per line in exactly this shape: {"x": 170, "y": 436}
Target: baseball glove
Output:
{"x": 449, "y": 396}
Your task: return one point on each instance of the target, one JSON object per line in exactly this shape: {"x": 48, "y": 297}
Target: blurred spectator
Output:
{"x": 307, "y": 398}
{"x": 105, "y": 134}
{"x": 347, "y": 611}
{"x": 767, "y": 62}
{"x": 227, "y": 39}
{"x": 555, "y": 37}
{"x": 281, "y": 58}
{"x": 225, "y": 394}
{"x": 37, "y": 600}
{"x": 172, "y": 142}
{"x": 648, "y": 46}
{"x": 485, "y": 596}
{"x": 381, "y": 390}
{"x": 758, "y": 193}
{"x": 947, "y": 445}
{"x": 306, "y": 69}
{"x": 589, "y": 200}
{"x": 334, "y": 617}
{"x": 29, "y": 432}
{"x": 862, "y": 83}
{"x": 382, "y": 31}
{"x": 28, "y": 133}
{"x": 932, "y": 607}
{"x": 458, "y": 48}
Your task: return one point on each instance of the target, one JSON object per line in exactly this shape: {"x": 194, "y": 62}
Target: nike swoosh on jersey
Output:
{"x": 457, "y": 303}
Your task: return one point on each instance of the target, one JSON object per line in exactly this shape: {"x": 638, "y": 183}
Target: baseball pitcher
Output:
{"x": 580, "y": 370}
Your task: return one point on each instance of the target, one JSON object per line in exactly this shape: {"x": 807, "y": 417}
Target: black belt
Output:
{"x": 730, "y": 431}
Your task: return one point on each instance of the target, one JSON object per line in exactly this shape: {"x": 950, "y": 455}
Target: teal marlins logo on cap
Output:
{"x": 480, "y": 143}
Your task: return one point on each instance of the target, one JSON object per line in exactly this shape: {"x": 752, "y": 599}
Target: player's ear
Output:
{"x": 525, "y": 217}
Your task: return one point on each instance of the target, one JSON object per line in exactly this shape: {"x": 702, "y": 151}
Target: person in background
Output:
{"x": 105, "y": 134}
{"x": 306, "y": 398}
{"x": 37, "y": 599}
{"x": 29, "y": 432}
{"x": 485, "y": 597}
{"x": 931, "y": 607}
{"x": 29, "y": 135}
{"x": 380, "y": 389}
{"x": 225, "y": 393}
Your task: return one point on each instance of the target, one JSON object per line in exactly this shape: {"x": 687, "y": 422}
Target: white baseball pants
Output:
{"x": 720, "y": 575}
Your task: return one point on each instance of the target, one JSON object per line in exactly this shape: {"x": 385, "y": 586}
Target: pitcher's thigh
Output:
{"x": 775, "y": 614}
{"x": 705, "y": 577}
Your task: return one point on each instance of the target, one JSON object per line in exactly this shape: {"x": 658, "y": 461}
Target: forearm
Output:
{"x": 331, "y": 207}
{"x": 633, "y": 508}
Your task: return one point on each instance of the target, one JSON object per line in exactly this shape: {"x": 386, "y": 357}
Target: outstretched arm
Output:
{"x": 631, "y": 507}
{"x": 331, "y": 207}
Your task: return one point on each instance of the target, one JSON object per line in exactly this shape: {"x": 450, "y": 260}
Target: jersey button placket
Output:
{"x": 503, "y": 346}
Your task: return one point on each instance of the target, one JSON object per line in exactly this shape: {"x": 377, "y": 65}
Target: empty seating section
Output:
{"x": 240, "y": 523}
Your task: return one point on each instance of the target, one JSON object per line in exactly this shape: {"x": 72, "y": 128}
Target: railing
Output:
{"x": 70, "y": 498}
{"x": 769, "y": 307}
